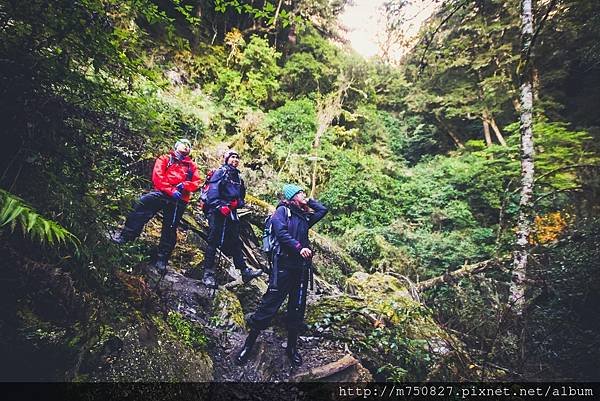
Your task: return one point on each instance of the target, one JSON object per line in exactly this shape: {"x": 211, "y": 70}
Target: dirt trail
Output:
{"x": 269, "y": 362}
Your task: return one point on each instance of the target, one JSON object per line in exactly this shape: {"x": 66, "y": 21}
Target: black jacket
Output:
{"x": 225, "y": 186}
{"x": 292, "y": 231}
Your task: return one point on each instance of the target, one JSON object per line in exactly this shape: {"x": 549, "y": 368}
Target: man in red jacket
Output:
{"x": 175, "y": 177}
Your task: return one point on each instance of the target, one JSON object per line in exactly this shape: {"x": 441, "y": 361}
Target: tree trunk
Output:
{"x": 486, "y": 130}
{"x": 485, "y": 116}
{"x": 517, "y": 294}
{"x": 497, "y": 131}
{"x": 277, "y": 14}
{"x": 275, "y": 22}
{"x": 450, "y": 133}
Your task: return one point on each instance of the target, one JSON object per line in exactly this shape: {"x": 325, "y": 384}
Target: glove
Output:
{"x": 179, "y": 186}
{"x": 176, "y": 195}
{"x": 233, "y": 204}
{"x": 225, "y": 210}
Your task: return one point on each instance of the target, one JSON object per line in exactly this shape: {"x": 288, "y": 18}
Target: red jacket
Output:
{"x": 169, "y": 171}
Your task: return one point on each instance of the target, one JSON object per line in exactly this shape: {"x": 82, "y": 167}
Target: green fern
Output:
{"x": 14, "y": 211}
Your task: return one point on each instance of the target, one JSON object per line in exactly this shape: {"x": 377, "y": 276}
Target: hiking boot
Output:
{"x": 244, "y": 354}
{"x": 292, "y": 349}
{"x": 249, "y": 273}
{"x": 294, "y": 356}
{"x": 209, "y": 280}
{"x": 161, "y": 264}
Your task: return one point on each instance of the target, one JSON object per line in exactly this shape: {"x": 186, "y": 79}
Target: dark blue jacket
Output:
{"x": 226, "y": 185}
{"x": 292, "y": 231}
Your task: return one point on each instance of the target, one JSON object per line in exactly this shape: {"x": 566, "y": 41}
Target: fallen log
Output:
{"x": 347, "y": 369}
{"x": 464, "y": 271}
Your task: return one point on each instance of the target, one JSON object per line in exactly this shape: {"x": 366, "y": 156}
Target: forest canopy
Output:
{"x": 417, "y": 160}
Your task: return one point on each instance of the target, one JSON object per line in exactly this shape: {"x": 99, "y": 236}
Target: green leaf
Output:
{"x": 31, "y": 220}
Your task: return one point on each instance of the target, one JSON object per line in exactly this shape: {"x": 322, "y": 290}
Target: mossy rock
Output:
{"x": 329, "y": 271}
{"x": 374, "y": 285}
{"x": 250, "y": 294}
{"x": 150, "y": 358}
{"x": 338, "y": 317}
{"x": 331, "y": 256}
{"x": 227, "y": 311}
{"x": 387, "y": 328}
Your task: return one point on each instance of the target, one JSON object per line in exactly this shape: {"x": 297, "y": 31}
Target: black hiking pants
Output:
{"x": 223, "y": 233}
{"x": 148, "y": 205}
{"x": 291, "y": 283}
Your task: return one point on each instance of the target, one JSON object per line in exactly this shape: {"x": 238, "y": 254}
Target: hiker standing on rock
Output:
{"x": 175, "y": 176}
{"x": 290, "y": 223}
{"x": 225, "y": 195}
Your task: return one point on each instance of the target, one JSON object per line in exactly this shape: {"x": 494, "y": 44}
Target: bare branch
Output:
{"x": 569, "y": 167}
{"x": 572, "y": 189}
{"x": 464, "y": 271}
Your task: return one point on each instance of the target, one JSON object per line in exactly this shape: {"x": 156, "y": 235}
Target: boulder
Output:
{"x": 379, "y": 321}
{"x": 227, "y": 312}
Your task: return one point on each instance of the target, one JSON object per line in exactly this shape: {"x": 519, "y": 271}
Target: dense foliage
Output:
{"x": 417, "y": 162}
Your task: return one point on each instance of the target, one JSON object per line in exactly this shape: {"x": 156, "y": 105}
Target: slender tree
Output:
{"x": 527, "y": 165}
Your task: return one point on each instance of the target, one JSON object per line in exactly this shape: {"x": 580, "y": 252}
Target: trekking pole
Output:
{"x": 301, "y": 290}
{"x": 220, "y": 247}
{"x": 223, "y": 232}
{"x": 275, "y": 268}
{"x": 175, "y": 213}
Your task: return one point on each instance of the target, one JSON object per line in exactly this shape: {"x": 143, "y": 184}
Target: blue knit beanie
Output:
{"x": 290, "y": 190}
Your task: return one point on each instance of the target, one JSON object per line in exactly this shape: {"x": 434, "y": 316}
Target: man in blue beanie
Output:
{"x": 294, "y": 216}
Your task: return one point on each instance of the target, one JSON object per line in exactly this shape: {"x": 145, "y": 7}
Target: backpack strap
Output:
{"x": 288, "y": 214}
{"x": 212, "y": 180}
{"x": 189, "y": 173}
{"x": 275, "y": 255}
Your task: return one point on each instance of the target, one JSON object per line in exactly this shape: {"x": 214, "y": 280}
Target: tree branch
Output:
{"x": 572, "y": 189}
{"x": 464, "y": 271}
{"x": 569, "y": 167}
{"x": 430, "y": 41}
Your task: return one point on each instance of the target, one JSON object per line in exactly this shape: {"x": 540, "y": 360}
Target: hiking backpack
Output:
{"x": 269, "y": 240}
{"x": 270, "y": 243}
{"x": 204, "y": 190}
{"x": 203, "y": 202}
{"x": 206, "y": 186}
{"x": 272, "y": 249}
